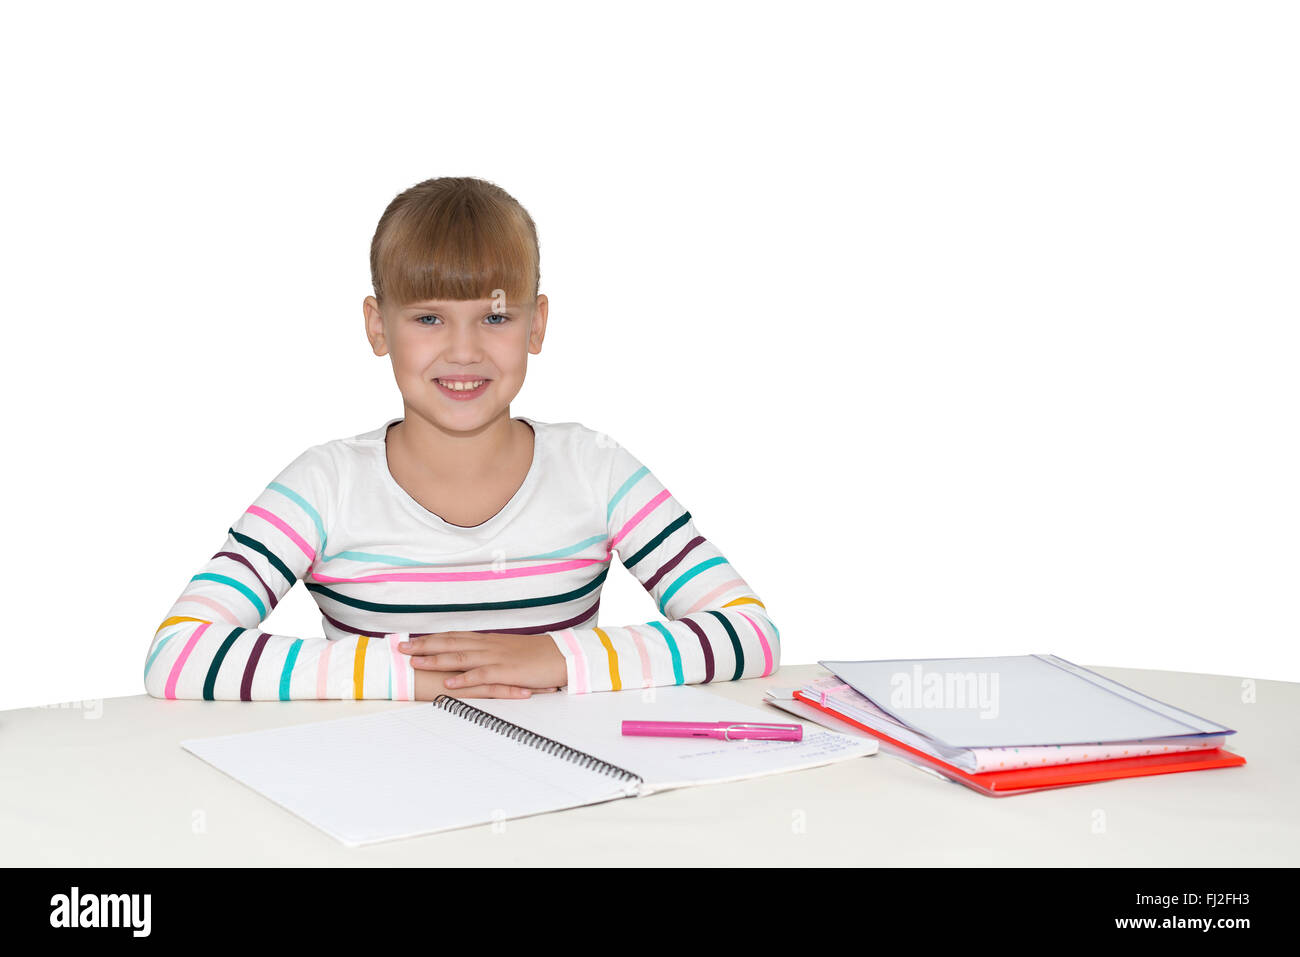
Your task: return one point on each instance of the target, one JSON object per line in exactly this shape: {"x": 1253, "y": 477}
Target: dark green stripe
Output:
{"x": 735, "y": 642}
{"x": 464, "y": 606}
{"x": 210, "y": 682}
{"x": 257, "y": 546}
{"x": 655, "y": 542}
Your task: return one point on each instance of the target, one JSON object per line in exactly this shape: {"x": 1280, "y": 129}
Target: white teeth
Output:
{"x": 462, "y": 386}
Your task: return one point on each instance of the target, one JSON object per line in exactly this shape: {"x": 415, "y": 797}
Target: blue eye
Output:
{"x": 496, "y": 315}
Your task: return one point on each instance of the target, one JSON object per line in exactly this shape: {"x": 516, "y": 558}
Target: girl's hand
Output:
{"x": 488, "y": 657}
{"x": 430, "y": 684}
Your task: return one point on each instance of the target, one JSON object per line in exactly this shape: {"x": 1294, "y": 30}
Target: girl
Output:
{"x": 458, "y": 549}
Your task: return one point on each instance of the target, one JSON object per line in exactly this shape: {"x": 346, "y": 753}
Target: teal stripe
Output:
{"x": 374, "y": 557}
{"x": 306, "y": 507}
{"x": 460, "y": 606}
{"x": 149, "y": 664}
{"x": 735, "y": 642}
{"x": 210, "y": 682}
{"x": 632, "y": 480}
{"x": 380, "y": 559}
{"x": 237, "y": 585}
{"x": 270, "y": 556}
{"x": 287, "y": 673}
{"x": 687, "y": 576}
{"x": 561, "y": 552}
{"x": 672, "y": 647}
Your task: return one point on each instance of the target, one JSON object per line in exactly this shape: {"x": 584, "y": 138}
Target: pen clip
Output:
{"x": 750, "y": 724}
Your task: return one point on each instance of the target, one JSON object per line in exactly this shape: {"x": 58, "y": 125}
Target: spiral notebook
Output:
{"x": 457, "y": 762}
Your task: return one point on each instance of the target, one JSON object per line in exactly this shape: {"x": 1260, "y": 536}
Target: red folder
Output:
{"x": 1023, "y": 780}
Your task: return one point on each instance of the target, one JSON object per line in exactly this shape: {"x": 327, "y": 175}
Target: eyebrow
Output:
{"x": 439, "y": 306}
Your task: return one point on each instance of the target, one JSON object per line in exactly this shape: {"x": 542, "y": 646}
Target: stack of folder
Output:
{"x": 1010, "y": 725}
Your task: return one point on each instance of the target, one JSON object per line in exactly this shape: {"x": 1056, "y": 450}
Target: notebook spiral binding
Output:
{"x": 463, "y": 709}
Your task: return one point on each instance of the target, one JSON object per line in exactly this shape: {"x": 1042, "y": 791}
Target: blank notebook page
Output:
{"x": 366, "y": 779}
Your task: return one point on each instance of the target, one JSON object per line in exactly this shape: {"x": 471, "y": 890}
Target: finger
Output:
{"x": 436, "y": 642}
{"x": 484, "y": 674}
{"x": 449, "y": 660}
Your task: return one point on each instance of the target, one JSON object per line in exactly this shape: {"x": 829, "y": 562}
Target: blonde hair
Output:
{"x": 454, "y": 237}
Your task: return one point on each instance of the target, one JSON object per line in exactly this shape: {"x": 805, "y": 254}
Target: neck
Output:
{"x": 454, "y": 456}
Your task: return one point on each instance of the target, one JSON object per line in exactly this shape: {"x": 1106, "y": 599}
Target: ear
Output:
{"x": 375, "y": 326}
{"x": 537, "y": 332}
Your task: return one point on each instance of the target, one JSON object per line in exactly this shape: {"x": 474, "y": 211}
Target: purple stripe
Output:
{"x": 530, "y": 630}
{"x": 672, "y": 563}
{"x": 350, "y": 630}
{"x": 246, "y": 686}
{"x": 704, "y": 646}
{"x": 541, "y": 629}
{"x": 240, "y": 558}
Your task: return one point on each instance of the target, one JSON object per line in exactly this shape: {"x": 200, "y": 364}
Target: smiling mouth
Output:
{"x": 461, "y": 385}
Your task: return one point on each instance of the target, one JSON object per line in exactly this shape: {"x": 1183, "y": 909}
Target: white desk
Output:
{"x": 118, "y": 790}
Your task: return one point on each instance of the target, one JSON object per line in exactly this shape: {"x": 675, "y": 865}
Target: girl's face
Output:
{"x": 437, "y": 345}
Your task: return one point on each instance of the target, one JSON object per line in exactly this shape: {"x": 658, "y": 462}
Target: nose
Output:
{"x": 463, "y": 344}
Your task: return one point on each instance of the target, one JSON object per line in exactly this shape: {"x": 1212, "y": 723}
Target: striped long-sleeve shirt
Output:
{"x": 381, "y": 566}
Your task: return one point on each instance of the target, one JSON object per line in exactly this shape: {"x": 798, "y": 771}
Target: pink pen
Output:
{"x": 726, "y": 730}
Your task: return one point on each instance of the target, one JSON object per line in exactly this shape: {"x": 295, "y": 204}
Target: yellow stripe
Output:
{"x": 613, "y": 660}
{"x": 359, "y": 667}
{"x": 744, "y": 601}
{"x": 175, "y": 618}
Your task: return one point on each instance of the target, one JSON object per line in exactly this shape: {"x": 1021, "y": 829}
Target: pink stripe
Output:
{"x": 632, "y": 522}
{"x": 707, "y": 599}
{"x": 580, "y": 660}
{"x": 220, "y": 609}
{"x": 477, "y": 576}
{"x": 647, "y": 672}
{"x": 396, "y": 662}
{"x": 323, "y": 670}
{"x": 170, "y": 690}
{"x": 762, "y": 638}
{"x": 283, "y": 526}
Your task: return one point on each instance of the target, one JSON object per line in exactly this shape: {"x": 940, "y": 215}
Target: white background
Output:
{"x": 961, "y": 329}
